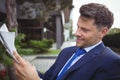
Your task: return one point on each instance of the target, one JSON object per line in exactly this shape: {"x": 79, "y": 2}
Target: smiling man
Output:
{"x": 90, "y": 59}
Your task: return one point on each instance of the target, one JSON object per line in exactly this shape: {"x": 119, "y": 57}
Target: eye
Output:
{"x": 85, "y": 30}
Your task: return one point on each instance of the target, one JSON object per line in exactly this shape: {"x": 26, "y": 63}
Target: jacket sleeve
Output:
{"x": 40, "y": 74}
{"x": 52, "y": 72}
{"x": 49, "y": 73}
{"x": 109, "y": 71}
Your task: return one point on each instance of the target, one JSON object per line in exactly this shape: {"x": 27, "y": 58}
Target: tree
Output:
{"x": 11, "y": 14}
{"x": 114, "y": 30}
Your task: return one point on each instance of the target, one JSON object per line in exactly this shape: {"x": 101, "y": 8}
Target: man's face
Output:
{"x": 87, "y": 33}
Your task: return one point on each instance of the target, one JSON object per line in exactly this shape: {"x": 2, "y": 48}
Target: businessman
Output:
{"x": 90, "y": 59}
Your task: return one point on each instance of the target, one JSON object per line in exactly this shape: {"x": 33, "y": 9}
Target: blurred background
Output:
{"x": 44, "y": 27}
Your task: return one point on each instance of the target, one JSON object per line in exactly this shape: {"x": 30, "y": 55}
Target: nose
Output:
{"x": 78, "y": 32}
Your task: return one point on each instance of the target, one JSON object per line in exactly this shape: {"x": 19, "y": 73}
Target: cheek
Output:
{"x": 88, "y": 36}
{"x": 94, "y": 38}
{"x": 91, "y": 37}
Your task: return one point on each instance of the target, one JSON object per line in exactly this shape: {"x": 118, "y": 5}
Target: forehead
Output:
{"x": 88, "y": 23}
{"x": 84, "y": 20}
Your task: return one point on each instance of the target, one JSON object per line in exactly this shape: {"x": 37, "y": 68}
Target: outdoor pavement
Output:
{"x": 68, "y": 44}
{"x": 43, "y": 62}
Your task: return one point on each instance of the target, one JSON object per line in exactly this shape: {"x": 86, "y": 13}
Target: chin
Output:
{"x": 78, "y": 45}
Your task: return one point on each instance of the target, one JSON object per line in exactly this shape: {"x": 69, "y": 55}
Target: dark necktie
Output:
{"x": 78, "y": 53}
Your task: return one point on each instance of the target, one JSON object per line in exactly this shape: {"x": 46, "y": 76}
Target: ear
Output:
{"x": 104, "y": 31}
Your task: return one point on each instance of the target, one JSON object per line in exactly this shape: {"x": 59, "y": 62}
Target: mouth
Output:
{"x": 78, "y": 40}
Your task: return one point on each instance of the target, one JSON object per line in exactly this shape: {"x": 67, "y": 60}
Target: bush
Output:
{"x": 112, "y": 40}
{"x": 20, "y": 45}
{"x": 18, "y": 40}
{"x": 40, "y": 46}
{"x": 26, "y": 51}
{"x": 5, "y": 58}
{"x": 32, "y": 46}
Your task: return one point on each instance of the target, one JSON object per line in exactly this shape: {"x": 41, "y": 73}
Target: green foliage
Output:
{"x": 27, "y": 51}
{"x": 40, "y": 46}
{"x": 114, "y": 31}
{"x": 13, "y": 29}
{"x": 112, "y": 39}
{"x": 54, "y": 52}
{"x": 32, "y": 46}
{"x": 18, "y": 40}
{"x": 20, "y": 45}
{"x": 50, "y": 4}
{"x": 4, "y": 57}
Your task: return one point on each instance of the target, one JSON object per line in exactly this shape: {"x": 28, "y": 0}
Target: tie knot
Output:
{"x": 80, "y": 51}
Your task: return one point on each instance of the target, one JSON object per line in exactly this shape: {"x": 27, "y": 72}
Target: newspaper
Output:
{"x": 7, "y": 39}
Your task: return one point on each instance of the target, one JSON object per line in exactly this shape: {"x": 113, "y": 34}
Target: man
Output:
{"x": 97, "y": 62}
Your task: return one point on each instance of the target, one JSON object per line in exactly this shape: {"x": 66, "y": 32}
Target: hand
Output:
{"x": 24, "y": 70}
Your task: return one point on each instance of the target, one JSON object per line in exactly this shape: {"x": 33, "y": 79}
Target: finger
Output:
{"x": 19, "y": 71}
{"x": 17, "y": 67}
{"x": 18, "y": 76}
{"x": 19, "y": 58}
{"x": 28, "y": 63}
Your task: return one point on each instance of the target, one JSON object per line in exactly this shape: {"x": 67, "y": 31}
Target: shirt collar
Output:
{"x": 87, "y": 49}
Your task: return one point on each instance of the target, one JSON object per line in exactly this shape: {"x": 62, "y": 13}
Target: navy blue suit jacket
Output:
{"x": 100, "y": 63}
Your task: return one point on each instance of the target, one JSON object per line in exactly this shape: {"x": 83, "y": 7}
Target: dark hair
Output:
{"x": 100, "y": 13}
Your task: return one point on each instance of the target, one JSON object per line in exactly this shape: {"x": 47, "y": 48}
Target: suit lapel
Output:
{"x": 86, "y": 58}
{"x": 63, "y": 60}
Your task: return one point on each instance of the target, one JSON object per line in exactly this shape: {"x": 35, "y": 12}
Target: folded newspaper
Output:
{"x": 7, "y": 39}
